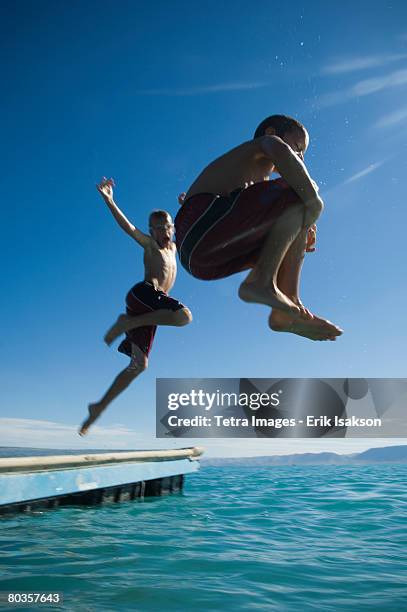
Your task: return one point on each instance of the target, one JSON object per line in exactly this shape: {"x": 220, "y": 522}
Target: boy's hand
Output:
{"x": 311, "y": 239}
{"x": 105, "y": 188}
{"x": 181, "y": 198}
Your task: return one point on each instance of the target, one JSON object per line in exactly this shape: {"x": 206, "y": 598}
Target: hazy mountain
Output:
{"x": 388, "y": 454}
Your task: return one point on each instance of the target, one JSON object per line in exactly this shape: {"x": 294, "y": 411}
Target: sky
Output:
{"x": 149, "y": 93}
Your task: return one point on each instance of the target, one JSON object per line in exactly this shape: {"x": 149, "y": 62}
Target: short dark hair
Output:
{"x": 158, "y": 214}
{"x": 281, "y": 123}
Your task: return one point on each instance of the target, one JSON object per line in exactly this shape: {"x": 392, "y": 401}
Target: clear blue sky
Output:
{"x": 149, "y": 93}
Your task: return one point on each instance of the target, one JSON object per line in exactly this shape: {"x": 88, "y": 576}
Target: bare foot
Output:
{"x": 253, "y": 292}
{"x": 94, "y": 412}
{"x": 314, "y": 329}
{"x": 116, "y": 330}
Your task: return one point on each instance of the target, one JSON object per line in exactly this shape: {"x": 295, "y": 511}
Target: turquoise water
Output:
{"x": 285, "y": 538}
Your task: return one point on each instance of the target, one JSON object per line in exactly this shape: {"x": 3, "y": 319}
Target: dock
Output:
{"x": 31, "y": 483}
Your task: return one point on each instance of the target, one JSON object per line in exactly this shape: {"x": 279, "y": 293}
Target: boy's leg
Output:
{"x": 261, "y": 285}
{"x": 289, "y": 273}
{"x": 288, "y": 281}
{"x": 125, "y": 323}
{"x": 137, "y": 365}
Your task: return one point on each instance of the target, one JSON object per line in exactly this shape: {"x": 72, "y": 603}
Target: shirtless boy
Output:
{"x": 148, "y": 303}
{"x": 233, "y": 218}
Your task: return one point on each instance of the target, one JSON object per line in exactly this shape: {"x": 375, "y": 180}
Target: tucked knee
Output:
{"x": 315, "y": 208}
{"x": 183, "y": 316}
{"x": 137, "y": 366}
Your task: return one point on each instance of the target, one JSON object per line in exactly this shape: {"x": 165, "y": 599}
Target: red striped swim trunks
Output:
{"x": 218, "y": 236}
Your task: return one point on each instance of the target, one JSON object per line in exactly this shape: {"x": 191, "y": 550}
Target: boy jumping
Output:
{"x": 148, "y": 303}
{"x": 233, "y": 218}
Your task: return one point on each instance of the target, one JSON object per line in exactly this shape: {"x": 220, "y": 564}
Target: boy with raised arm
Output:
{"x": 233, "y": 218}
{"x": 148, "y": 303}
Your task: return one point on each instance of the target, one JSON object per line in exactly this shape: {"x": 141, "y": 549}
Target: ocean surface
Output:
{"x": 280, "y": 538}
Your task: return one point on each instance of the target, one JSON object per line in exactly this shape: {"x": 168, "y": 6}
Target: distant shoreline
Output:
{"x": 386, "y": 454}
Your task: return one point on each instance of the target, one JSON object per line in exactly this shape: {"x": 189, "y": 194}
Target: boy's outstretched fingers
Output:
{"x": 105, "y": 187}
{"x": 106, "y": 181}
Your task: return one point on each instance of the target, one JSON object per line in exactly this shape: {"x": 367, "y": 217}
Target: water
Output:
{"x": 281, "y": 538}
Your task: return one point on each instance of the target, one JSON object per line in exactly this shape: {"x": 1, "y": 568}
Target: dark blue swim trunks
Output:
{"x": 143, "y": 298}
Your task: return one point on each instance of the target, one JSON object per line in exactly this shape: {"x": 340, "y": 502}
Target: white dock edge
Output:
{"x": 49, "y": 481}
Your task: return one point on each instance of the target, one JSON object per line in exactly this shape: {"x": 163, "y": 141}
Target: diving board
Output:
{"x": 28, "y": 483}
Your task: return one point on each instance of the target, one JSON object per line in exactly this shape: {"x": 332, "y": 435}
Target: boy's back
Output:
{"x": 250, "y": 162}
{"x": 244, "y": 164}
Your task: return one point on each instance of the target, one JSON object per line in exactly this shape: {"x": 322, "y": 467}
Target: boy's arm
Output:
{"x": 312, "y": 231}
{"x": 293, "y": 170}
{"x": 105, "y": 188}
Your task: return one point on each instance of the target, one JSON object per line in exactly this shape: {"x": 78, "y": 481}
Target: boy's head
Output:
{"x": 288, "y": 129}
{"x": 161, "y": 227}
